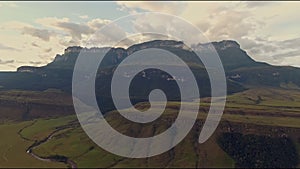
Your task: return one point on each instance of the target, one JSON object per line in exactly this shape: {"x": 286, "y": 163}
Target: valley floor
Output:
{"x": 273, "y": 114}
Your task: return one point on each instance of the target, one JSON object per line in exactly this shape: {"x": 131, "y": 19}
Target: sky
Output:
{"x": 32, "y": 33}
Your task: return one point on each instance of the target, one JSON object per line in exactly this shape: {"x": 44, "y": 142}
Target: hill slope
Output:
{"x": 254, "y": 127}
{"x": 242, "y": 72}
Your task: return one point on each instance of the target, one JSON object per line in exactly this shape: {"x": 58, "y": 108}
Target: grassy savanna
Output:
{"x": 75, "y": 144}
{"x": 50, "y": 96}
{"x": 272, "y": 108}
{"x": 17, "y": 105}
{"x": 13, "y": 148}
{"x": 43, "y": 127}
{"x": 266, "y": 98}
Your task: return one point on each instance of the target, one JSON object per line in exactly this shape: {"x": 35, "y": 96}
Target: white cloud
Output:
{"x": 14, "y": 25}
{"x": 268, "y": 31}
{"x": 171, "y": 28}
{"x": 98, "y": 23}
{"x": 263, "y": 29}
{"x": 83, "y": 16}
{"x": 175, "y": 8}
{"x": 108, "y": 36}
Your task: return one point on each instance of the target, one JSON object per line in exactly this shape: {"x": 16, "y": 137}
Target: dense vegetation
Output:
{"x": 254, "y": 151}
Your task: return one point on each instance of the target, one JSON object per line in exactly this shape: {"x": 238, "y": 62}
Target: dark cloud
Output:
{"x": 276, "y": 52}
{"x": 290, "y": 43}
{"x": 72, "y": 42}
{"x": 48, "y": 50}
{"x": 287, "y": 54}
{"x": 43, "y": 34}
{"x": 35, "y": 45}
{"x": 35, "y": 63}
{"x": 3, "y": 47}
{"x": 76, "y": 30}
{"x": 4, "y": 62}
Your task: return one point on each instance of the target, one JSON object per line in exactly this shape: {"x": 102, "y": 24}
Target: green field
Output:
{"x": 74, "y": 144}
{"x": 13, "y": 148}
{"x": 43, "y": 127}
{"x": 275, "y": 109}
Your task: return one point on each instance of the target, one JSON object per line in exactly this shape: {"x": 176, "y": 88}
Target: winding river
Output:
{"x": 56, "y": 158}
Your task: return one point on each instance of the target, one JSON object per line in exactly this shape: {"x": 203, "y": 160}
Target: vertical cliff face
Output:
{"x": 231, "y": 55}
{"x": 113, "y": 57}
{"x": 241, "y": 70}
{"x": 68, "y": 58}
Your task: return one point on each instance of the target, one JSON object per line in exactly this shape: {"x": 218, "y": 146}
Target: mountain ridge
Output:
{"x": 235, "y": 60}
{"x": 224, "y": 44}
{"x": 242, "y": 72}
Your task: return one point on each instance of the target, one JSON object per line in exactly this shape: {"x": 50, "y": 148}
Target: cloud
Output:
{"x": 48, "y": 50}
{"x": 51, "y": 21}
{"x": 290, "y": 43}
{"x": 108, "y": 36}
{"x": 239, "y": 23}
{"x": 98, "y": 23}
{"x": 43, "y": 34}
{"x": 35, "y": 45}
{"x": 14, "y": 25}
{"x": 35, "y": 63}
{"x": 287, "y": 54}
{"x": 232, "y": 24}
{"x": 255, "y": 4}
{"x": 166, "y": 7}
{"x": 83, "y": 16}
{"x": 285, "y": 49}
{"x": 4, "y": 62}
{"x": 265, "y": 30}
{"x": 3, "y": 47}
{"x": 75, "y": 30}
{"x": 72, "y": 33}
